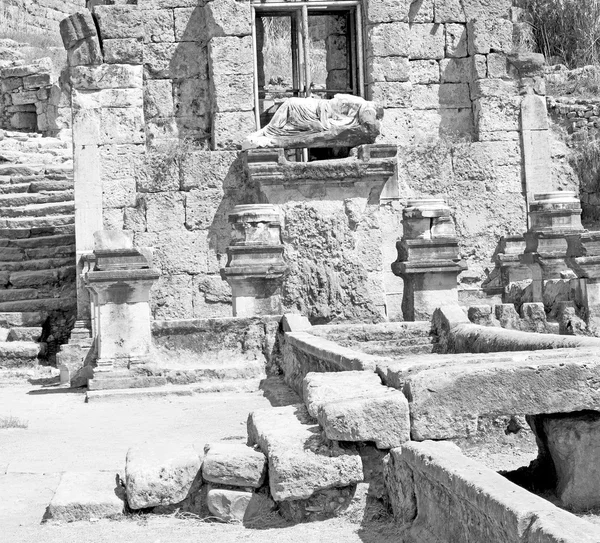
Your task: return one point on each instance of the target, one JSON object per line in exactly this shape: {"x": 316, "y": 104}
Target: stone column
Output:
{"x": 255, "y": 268}
{"x": 428, "y": 258}
{"x": 508, "y": 259}
{"x": 552, "y": 216}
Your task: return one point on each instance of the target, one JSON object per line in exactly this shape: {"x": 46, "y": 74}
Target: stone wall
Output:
{"x": 163, "y": 97}
{"x": 581, "y": 116}
{"x": 38, "y": 16}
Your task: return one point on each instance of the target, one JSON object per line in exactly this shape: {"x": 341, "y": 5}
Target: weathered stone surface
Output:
{"x": 107, "y": 98}
{"x": 76, "y": 27}
{"x": 230, "y": 128}
{"x": 123, "y": 51}
{"x": 106, "y": 76}
{"x": 159, "y": 25}
{"x": 165, "y": 211}
{"x": 490, "y": 35}
{"x": 201, "y": 208}
{"x": 227, "y": 18}
{"x": 86, "y": 496}
{"x": 234, "y": 464}
{"x": 456, "y": 70}
{"x": 449, "y": 11}
{"x": 424, "y": 72}
{"x": 175, "y": 60}
{"x": 237, "y": 505}
{"x": 573, "y": 442}
{"x": 159, "y": 474}
{"x": 321, "y": 388}
{"x": 300, "y": 464}
{"x": 85, "y": 53}
{"x": 158, "y": 98}
{"x": 119, "y": 22}
{"x": 233, "y": 93}
{"x": 230, "y": 55}
{"x": 177, "y": 251}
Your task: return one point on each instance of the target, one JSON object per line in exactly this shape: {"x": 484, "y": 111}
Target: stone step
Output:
{"x": 17, "y": 254}
{"x": 25, "y": 333}
{"x": 19, "y": 353}
{"x": 13, "y": 294}
{"x": 13, "y": 319}
{"x": 38, "y": 264}
{"x": 14, "y": 200}
{"x": 237, "y": 385}
{"x": 394, "y": 331}
{"x": 36, "y": 232}
{"x": 21, "y": 169}
{"x": 37, "y": 209}
{"x": 223, "y": 372}
{"x": 14, "y": 188}
{"x": 395, "y": 351}
{"x": 52, "y": 221}
{"x": 57, "y": 240}
{"x": 39, "y": 278}
{"x": 50, "y": 185}
{"x": 39, "y": 304}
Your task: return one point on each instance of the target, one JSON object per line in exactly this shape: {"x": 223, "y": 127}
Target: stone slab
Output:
{"x": 86, "y": 496}
{"x": 237, "y": 505}
{"x": 160, "y": 474}
{"x": 234, "y": 464}
{"x": 300, "y": 462}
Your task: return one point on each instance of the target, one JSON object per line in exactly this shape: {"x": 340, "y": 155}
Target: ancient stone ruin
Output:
{"x": 380, "y": 223}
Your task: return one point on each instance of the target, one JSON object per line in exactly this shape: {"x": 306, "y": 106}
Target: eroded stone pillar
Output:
{"x": 255, "y": 267}
{"x": 428, "y": 258}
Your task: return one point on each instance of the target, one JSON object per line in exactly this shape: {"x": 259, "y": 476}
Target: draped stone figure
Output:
{"x": 343, "y": 121}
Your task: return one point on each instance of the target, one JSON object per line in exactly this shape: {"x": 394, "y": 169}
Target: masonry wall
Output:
{"x": 163, "y": 97}
{"x": 36, "y": 15}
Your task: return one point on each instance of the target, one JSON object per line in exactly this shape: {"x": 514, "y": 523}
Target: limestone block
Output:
{"x": 300, "y": 464}
{"x": 158, "y": 173}
{"x": 227, "y": 18}
{"x": 121, "y": 161}
{"x": 234, "y": 464}
{"x": 165, "y": 211}
{"x": 166, "y": 4}
{"x": 385, "y": 11}
{"x": 488, "y": 35}
{"x": 447, "y": 402}
{"x": 391, "y": 94}
{"x": 85, "y": 53}
{"x": 119, "y": 22}
{"x": 160, "y": 474}
{"x": 496, "y": 115}
{"x": 171, "y": 297}
{"x": 560, "y": 526}
{"x": 35, "y": 81}
{"x": 134, "y": 219}
{"x": 498, "y": 88}
{"x": 158, "y": 98}
{"x": 573, "y": 442}
{"x": 456, "y": 70}
{"x": 424, "y": 72}
{"x": 201, "y": 208}
{"x": 208, "y": 169}
{"x": 230, "y": 55}
{"x": 382, "y": 418}
{"x": 534, "y": 115}
{"x": 498, "y": 66}
{"x": 426, "y": 41}
{"x": 107, "y": 76}
{"x": 159, "y": 25}
{"x": 11, "y": 83}
{"x": 118, "y": 193}
{"x": 123, "y": 51}
{"x": 391, "y": 39}
{"x": 395, "y": 127}
{"x": 212, "y": 296}
{"x": 230, "y": 128}
{"x": 112, "y": 218}
{"x": 233, "y": 92}
{"x": 237, "y": 505}
{"x": 449, "y": 11}
{"x": 177, "y": 252}
{"x": 122, "y": 125}
{"x": 387, "y": 69}
{"x": 456, "y": 40}
{"x": 86, "y": 496}
{"x": 479, "y": 67}
{"x": 486, "y": 8}
{"x": 192, "y": 96}
{"x": 76, "y": 27}
{"x": 107, "y": 98}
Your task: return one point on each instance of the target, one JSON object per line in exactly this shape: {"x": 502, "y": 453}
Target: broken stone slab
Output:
{"x": 446, "y": 402}
{"x": 86, "y": 496}
{"x": 301, "y": 462}
{"x": 160, "y": 474}
{"x": 234, "y": 464}
{"x": 320, "y": 388}
{"x": 76, "y": 27}
{"x": 237, "y": 505}
{"x": 573, "y": 442}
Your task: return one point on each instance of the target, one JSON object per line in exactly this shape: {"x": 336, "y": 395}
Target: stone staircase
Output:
{"x": 37, "y": 240}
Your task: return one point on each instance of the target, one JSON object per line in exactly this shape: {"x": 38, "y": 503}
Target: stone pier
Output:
{"x": 584, "y": 259}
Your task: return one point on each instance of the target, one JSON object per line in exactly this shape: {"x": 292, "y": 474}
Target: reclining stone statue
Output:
{"x": 343, "y": 121}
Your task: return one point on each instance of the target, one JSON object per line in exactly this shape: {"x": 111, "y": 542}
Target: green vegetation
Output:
{"x": 12, "y": 422}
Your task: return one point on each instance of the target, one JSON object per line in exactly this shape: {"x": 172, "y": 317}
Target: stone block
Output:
{"x": 496, "y": 115}
{"x": 230, "y": 128}
{"x": 386, "y": 11}
{"x": 449, "y": 11}
{"x": 387, "y": 69}
{"x": 11, "y": 83}
{"x": 160, "y": 474}
{"x": 395, "y": 127}
{"x": 391, "y": 39}
{"x": 85, "y": 53}
{"x": 227, "y": 18}
{"x": 234, "y": 464}
{"x": 534, "y": 115}
{"x": 158, "y": 98}
{"x": 112, "y": 218}
{"x": 123, "y": 51}
{"x": 121, "y": 161}
{"x": 230, "y": 55}
{"x": 107, "y": 76}
{"x": 36, "y": 81}
{"x": 165, "y": 211}
{"x": 122, "y": 125}
{"x": 172, "y": 297}
{"x": 447, "y": 402}
{"x": 209, "y": 169}
{"x": 159, "y": 26}
{"x": 107, "y": 98}
{"x": 237, "y": 505}
{"x": 134, "y": 219}
{"x": 426, "y": 41}
{"x": 392, "y": 94}
{"x": 498, "y": 88}
{"x": 479, "y": 66}
{"x": 118, "y": 193}
{"x": 233, "y": 92}
{"x": 487, "y": 8}
{"x": 498, "y": 66}
{"x": 87, "y": 496}
{"x": 424, "y": 72}
{"x": 76, "y": 27}
{"x": 456, "y": 70}
{"x": 490, "y": 35}
{"x": 300, "y": 464}
{"x": 119, "y": 22}
{"x": 192, "y": 97}
{"x": 159, "y": 172}
{"x": 560, "y": 526}
{"x": 201, "y": 208}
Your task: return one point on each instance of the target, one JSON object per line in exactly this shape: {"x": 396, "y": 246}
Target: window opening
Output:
{"x": 304, "y": 49}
